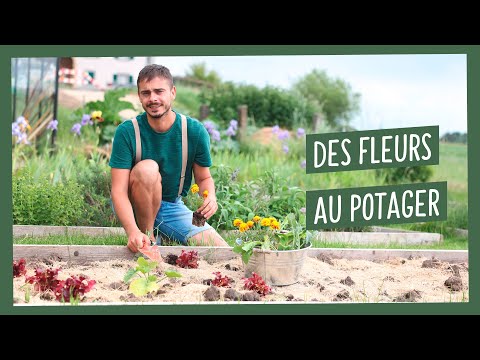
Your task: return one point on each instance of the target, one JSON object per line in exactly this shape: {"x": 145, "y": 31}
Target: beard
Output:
{"x": 157, "y": 115}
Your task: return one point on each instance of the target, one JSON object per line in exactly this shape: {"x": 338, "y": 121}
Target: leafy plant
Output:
{"x": 146, "y": 282}
{"x": 73, "y": 288}
{"x": 109, "y": 109}
{"x": 257, "y": 284}
{"x": 19, "y": 268}
{"x": 44, "y": 279}
{"x": 188, "y": 260}
{"x": 194, "y": 200}
{"x": 221, "y": 281}
{"x": 39, "y": 202}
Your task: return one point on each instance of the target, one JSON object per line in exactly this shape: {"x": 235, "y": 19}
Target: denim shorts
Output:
{"x": 174, "y": 222}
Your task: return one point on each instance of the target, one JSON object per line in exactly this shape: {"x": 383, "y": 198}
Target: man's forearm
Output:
{"x": 124, "y": 211}
{"x": 207, "y": 184}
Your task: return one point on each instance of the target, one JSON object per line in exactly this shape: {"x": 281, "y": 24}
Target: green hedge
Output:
{"x": 268, "y": 106}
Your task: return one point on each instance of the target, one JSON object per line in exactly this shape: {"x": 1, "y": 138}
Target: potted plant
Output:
{"x": 275, "y": 250}
{"x": 194, "y": 200}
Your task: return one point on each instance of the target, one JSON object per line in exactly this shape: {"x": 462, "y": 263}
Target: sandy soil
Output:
{"x": 322, "y": 280}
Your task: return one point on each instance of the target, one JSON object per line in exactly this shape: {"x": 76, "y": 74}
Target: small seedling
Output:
{"x": 257, "y": 284}
{"x": 221, "y": 281}
{"x": 188, "y": 260}
{"x": 19, "y": 268}
{"x": 146, "y": 282}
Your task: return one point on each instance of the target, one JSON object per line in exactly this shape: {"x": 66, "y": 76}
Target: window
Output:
{"x": 122, "y": 79}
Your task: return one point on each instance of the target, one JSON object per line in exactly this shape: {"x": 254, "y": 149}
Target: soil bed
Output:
{"x": 323, "y": 279}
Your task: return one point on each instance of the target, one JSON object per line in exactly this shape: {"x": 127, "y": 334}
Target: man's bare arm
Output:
{"x": 204, "y": 180}
{"x": 124, "y": 210}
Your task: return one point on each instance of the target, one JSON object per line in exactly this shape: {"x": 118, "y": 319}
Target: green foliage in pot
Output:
{"x": 270, "y": 234}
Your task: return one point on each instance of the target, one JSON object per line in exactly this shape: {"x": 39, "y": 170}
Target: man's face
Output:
{"x": 156, "y": 96}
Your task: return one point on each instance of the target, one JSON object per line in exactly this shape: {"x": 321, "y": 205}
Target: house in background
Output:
{"x": 101, "y": 73}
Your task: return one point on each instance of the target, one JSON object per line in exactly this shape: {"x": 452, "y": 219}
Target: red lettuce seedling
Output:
{"x": 257, "y": 284}
{"x": 44, "y": 279}
{"x": 188, "y": 259}
{"x": 220, "y": 280}
{"x": 19, "y": 268}
{"x": 73, "y": 288}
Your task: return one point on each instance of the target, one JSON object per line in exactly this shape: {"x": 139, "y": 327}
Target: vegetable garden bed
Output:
{"x": 329, "y": 275}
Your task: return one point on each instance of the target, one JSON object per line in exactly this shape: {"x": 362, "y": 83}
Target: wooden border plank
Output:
{"x": 84, "y": 254}
{"x": 401, "y": 238}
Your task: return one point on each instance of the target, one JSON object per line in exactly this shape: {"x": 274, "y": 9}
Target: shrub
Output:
{"x": 406, "y": 174}
{"x": 267, "y": 106}
{"x": 43, "y": 203}
{"x": 109, "y": 108}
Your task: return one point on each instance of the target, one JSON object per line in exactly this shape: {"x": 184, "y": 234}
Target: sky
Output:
{"x": 396, "y": 90}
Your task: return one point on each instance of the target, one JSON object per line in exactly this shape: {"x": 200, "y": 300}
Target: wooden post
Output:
{"x": 242, "y": 121}
{"x": 317, "y": 122}
{"x": 204, "y": 111}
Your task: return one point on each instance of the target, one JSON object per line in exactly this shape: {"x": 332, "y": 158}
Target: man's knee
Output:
{"x": 145, "y": 172}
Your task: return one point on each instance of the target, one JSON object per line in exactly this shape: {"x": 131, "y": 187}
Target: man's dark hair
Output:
{"x": 152, "y": 71}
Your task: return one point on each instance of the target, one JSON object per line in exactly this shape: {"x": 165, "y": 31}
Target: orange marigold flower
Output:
{"x": 194, "y": 189}
{"x": 275, "y": 225}
{"x": 250, "y": 224}
{"x": 243, "y": 227}
{"x": 256, "y": 218}
{"x": 205, "y": 194}
{"x": 237, "y": 222}
{"x": 265, "y": 222}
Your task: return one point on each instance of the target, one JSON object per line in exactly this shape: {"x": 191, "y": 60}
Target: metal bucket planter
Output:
{"x": 279, "y": 268}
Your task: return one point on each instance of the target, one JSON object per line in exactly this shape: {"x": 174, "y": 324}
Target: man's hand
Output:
{"x": 209, "y": 207}
{"x": 137, "y": 240}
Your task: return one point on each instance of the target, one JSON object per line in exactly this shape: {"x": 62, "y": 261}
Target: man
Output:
{"x": 147, "y": 187}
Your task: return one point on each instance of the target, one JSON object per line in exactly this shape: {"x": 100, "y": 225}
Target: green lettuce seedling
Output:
{"x": 147, "y": 282}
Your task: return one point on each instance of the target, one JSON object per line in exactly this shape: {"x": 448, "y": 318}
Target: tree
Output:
{"x": 333, "y": 97}
{"x": 199, "y": 73}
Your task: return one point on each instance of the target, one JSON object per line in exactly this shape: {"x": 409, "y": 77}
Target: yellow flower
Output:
{"x": 268, "y": 234}
{"x": 265, "y": 222}
{"x": 275, "y": 225}
{"x": 96, "y": 114}
{"x": 205, "y": 194}
{"x": 194, "y": 189}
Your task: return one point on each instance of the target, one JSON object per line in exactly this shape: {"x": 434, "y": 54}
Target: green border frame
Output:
{"x": 473, "y": 89}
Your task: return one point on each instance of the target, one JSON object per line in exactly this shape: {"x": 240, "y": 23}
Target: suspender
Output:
{"x": 138, "y": 143}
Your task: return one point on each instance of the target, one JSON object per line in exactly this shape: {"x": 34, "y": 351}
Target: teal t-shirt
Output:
{"x": 165, "y": 148}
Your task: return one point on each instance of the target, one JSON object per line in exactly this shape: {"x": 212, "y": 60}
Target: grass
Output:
{"x": 76, "y": 239}
{"x": 453, "y": 243}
